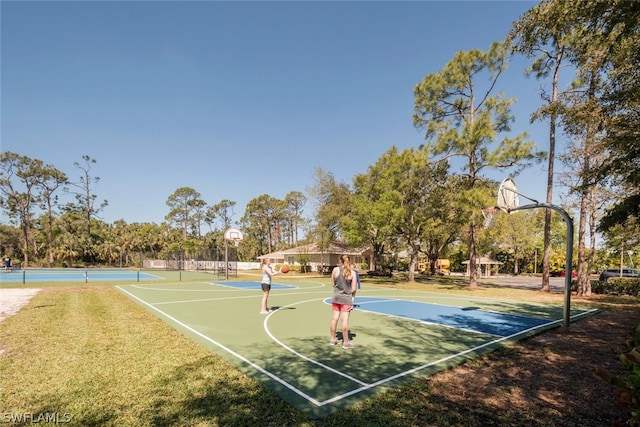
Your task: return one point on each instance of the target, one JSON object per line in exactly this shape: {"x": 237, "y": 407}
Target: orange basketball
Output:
{"x": 284, "y": 268}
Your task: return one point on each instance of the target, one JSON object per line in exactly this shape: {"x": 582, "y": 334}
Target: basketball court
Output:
{"x": 399, "y": 335}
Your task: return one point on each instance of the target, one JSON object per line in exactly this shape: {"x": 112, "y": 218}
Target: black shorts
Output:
{"x": 266, "y": 287}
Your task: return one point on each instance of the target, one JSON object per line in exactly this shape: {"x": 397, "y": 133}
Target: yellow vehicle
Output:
{"x": 443, "y": 266}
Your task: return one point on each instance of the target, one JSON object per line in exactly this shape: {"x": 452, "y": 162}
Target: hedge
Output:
{"x": 617, "y": 286}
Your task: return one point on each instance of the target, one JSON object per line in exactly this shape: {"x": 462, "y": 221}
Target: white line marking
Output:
{"x": 308, "y": 359}
{"x": 419, "y": 368}
{"x": 427, "y": 322}
{"x": 228, "y": 350}
{"x": 365, "y": 386}
{"x": 223, "y": 298}
{"x": 224, "y": 287}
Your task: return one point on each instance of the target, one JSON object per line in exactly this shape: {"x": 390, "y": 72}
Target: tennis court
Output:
{"x": 400, "y": 335}
{"x": 36, "y": 276}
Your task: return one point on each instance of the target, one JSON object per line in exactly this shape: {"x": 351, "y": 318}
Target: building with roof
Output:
{"x": 321, "y": 259}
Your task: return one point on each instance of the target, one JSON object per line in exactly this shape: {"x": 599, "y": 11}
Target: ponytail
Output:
{"x": 346, "y": 266}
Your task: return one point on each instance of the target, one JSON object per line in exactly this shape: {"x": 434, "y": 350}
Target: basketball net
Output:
{"x": 489, "y": 215}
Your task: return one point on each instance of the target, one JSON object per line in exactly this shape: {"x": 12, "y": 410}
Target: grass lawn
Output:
{"x": 99, "y": 357}
{"x": 90, "y": 354}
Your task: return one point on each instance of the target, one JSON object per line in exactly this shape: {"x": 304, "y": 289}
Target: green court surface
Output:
{"x": 399, "y": 335}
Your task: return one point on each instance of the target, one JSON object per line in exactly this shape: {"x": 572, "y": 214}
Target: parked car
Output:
{"x": 615, "y": 272}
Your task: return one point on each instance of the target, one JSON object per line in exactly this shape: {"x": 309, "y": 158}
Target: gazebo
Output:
{"x": 483, "y": 262}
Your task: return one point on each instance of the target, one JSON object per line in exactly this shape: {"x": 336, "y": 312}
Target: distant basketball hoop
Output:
{"x": 231, "y": 235}
{"x": 234, "y": 235}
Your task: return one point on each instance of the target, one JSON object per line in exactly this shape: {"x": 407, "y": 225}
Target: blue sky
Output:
{"x": 233, "y": 99}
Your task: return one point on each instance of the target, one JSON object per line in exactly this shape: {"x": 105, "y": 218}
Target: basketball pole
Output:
{"x": 569, "y": 253}
{"x": 235, "y": 235}
{"x": 226, "y": 258}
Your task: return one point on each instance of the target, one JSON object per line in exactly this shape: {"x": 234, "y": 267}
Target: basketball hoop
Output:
{"x": 508, "y": 195}
{"x": 508, "y": 200}
{"x": 234, "y": 235}
{"x": 231, "y": 235}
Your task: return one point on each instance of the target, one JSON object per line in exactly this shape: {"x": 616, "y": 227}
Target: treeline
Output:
{"x": 55, "y": 222}
{"x": 410, "y": 200}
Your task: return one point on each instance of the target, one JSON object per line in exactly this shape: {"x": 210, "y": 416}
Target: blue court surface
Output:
{"x": 400, "y": 335}
{"x": 464, "y": 318}
{"x": 73, "y": 275}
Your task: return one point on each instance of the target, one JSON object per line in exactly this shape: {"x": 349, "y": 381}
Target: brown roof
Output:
{"x": 314, "y": 248}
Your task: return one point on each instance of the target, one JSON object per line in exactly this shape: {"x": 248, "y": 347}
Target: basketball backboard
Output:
{"x": 233, "y": 234}
{"x": 508, "y": 195}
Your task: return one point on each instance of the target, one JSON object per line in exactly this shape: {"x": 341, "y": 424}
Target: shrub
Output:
{"x": 383, "y": 273}
{"x": 403, "y": 265}
{"x": 617, "y": 286}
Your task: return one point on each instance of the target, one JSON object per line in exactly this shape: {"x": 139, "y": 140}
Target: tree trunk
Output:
{"x": 473, "y": 256}
{"x": 552, "y": 154}
{"x": 25, "y": 242}
{"x": 547, "y": 225}
{"x": 592, "y": 239}
{"x": 582, "y": 279}
{"x": 413, "y": 262}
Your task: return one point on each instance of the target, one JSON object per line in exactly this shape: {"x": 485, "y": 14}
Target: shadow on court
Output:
{"x": 399, "y": 336}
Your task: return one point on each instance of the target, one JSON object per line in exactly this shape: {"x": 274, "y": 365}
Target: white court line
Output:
{"x": 153, "y": 288}
{"x": 453, "y": 356}
{"x": 300, "y": 355}
{"x": 411, "y": 319}
{"x": 228, "y": 350}
{"x": 437, "y": 295}
{"x": 224, "y": 287}
{"x": 153, "y": 275}
{"x": 187, "y": 301}
{"x": 288, "y": 287}
{"x": 257, "y": 288}
{"x": 364, "y": 385}
{"x": 226, "y": 298}
{"x": 426, "y": 322}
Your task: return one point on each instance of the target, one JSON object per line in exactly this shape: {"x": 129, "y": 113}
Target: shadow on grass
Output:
{"x": 217, "y": 395}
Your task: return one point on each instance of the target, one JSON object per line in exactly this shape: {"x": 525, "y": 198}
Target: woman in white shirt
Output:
{"x": 267, "y": 273}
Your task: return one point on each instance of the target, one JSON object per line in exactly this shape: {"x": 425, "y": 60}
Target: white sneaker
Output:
{"x": 264, "y": 312}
